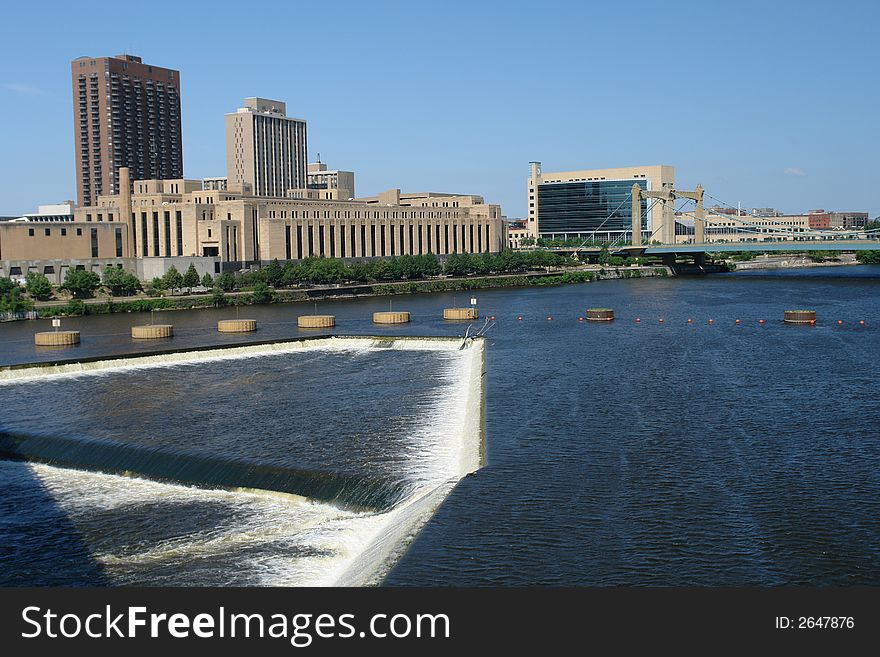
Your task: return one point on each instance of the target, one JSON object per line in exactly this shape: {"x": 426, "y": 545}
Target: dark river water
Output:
{"x": 622, "y": 453}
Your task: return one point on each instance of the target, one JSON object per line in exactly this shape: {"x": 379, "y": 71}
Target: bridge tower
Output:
{"x": 666, "y": 231}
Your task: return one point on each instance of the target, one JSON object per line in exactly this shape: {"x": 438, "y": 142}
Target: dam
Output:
{"x": 294, "y": 462}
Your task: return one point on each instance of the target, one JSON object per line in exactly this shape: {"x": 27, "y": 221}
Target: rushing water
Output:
{"x": 331, "y": 454}
{"x": 621, "y": 453}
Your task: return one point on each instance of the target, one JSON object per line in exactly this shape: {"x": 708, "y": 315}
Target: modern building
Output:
{"x": 125, "y": 114}
{"x": 594, "y": 205}
{"x": 334, "y": 184}
{"x": 265, "y": 148}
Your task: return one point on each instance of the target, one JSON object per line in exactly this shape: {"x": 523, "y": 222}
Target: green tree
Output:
{"x": 80, "y": 283}
{"x": 274, "y": 273}
{"x": 38, "y": 286}
{"x": 11, "y": 300}
{"x": 207, "y": 281}
{"x": 226, "y": 281}
{"x": 191, "y": 277}
{"x": 121, "y": 282}
{"x": 261, "y": 293}
{"x": 173, "y": 279}
{"x": 218, "y": 298}
{"x": 868, "y": 257}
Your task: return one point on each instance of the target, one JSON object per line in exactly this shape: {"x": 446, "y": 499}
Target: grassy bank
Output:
{"x": 213, "y": 300}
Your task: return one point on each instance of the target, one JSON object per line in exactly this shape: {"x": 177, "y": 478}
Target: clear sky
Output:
{"x": 766, "y": 103}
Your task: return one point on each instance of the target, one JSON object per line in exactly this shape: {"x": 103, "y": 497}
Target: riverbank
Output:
{"x": 796, "y": 261}
{"x": 142, "y": 303}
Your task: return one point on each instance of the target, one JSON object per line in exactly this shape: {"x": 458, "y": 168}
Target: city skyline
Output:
{"x": 785, "y": 120}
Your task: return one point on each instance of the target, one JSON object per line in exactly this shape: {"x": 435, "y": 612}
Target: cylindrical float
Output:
{"x": 236, "y": 325}
{"x": 600, "y": 314}
{"x": 388, "y": 317}
{"x": 799, "y": 316}
{"x": 56, "y": 338}
{"x": 316, "y": 321}
{"x": 152, "y": 331}
{"x": 460, "y": 313}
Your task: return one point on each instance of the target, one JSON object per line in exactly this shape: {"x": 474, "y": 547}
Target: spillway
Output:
{"x": 291, "y": 463}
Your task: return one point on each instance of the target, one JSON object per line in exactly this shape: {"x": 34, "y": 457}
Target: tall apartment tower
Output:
{"x": 125, "y": 114}
{"x": 265, "y": 148}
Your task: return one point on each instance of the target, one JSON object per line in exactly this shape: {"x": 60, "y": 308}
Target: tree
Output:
{"x": 262, "y": 293}
{"x": 207, "y": 281}
{"x": 190, "y": 278}
{"x": 868, "y": 257}
{"x": 274, "y": 273}
{"x": 38, "y": 286}
{"x": 226, "y": 281}
{"x": 121, "y": 282}
{"x": 173, "y": 279}
{"x": 11, "y": 300}
{"x": 217, "y": 297}
{"x": 80, "y": 283}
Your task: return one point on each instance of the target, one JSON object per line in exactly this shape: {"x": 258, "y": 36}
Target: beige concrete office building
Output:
{"x": 595, "y": 204}
{"x": 330, "y": 184}
{"x": 265, "y": 148}
{"x": 177, "y": 218}
{"x": 724, "y": 227}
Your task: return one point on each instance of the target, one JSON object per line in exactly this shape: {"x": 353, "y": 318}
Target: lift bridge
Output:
{"x": 750, "y": 236}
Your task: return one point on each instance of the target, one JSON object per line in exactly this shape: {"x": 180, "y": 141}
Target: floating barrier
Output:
{"x": 600, "y": 314}
{"x": 152, "y": 331}
{"x": 799, "y": 316}
{"x": 460, "y": 313}
{"x": 391, "y": 317}
{"x": 56, "y": 338}
{"x": 237, "y": 325}
{"x": 316, "y": 321}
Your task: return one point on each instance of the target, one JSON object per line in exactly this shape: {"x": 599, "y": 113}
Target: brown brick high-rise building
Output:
{"x": 125, "y": 114}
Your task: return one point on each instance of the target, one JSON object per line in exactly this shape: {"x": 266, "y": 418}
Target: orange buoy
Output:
{"x": 690, "y": 321}
{"x": 737, "y": 321}
{"x": 839, "y": 322}
{"x": 492, "y": 318}
{"x": 760, "y": 321}
{"x": 861, "y": 322}
{"x": 519, "y": 317}
{"x": 549, "y": 319}
{"x": 812, "y": 322}
{"x": 660, "y": 321}
{"x": 580, "y": 319}
{"x": 711, "y": 320}
{"x": 638, "y": 321}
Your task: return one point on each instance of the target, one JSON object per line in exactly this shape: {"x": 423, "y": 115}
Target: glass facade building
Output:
{"x": 597, "y": 207}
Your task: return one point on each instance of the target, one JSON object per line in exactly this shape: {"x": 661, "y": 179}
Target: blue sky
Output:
{"x": 764, "y": 103}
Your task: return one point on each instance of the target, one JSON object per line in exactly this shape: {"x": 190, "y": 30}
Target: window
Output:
{"x": 48, "y": 232}
{"x": 94, "y": 242}
{"x": 63, "y": 232}
{"x": 79, "y": 231}
{"x": 30, "y": 232}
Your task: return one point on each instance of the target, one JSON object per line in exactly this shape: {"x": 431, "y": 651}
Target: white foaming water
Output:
{"x": 272, "y": 539}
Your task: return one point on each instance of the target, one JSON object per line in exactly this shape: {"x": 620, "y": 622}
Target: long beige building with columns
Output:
{"x": 177, "y": 218}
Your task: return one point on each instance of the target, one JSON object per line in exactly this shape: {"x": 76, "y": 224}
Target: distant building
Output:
{"x": 766, "y": 212}
{"x": 819, "y": 220}
{"x": 125, "y": 114}
{"x": 337, "y": 185}
{"x": 57, "y": 212}
{"x": 848, "y": 220}
{"x": 217, "y": 184}
{"x": 594, "y": 204}
{"x": 265, "y": 148}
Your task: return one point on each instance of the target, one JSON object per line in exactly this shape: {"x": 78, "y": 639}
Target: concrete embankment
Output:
{"x": 794, "y": 261}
